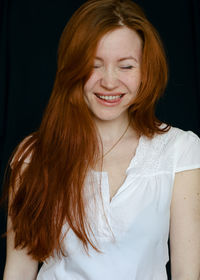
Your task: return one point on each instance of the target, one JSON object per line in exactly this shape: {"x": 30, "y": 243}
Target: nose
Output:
{"x": 109, "y": 79}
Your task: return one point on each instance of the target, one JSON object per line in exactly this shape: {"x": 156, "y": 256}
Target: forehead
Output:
{"x": 120, "y": 42}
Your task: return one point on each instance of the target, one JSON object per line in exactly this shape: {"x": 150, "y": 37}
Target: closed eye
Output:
{"x": 126, "y": 67}
{"x": 96, "y": 66}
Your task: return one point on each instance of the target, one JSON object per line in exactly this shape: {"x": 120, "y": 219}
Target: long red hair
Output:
{"x": 49, "y": 192}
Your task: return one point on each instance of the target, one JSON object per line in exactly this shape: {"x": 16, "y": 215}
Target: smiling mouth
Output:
{"x": 109, "y": 97}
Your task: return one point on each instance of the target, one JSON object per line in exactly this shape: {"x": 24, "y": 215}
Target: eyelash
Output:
{"x": 122, "y": 67}
{"x": 127, "y": 67}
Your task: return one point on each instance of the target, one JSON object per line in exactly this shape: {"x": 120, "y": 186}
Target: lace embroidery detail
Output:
{"x": 147, "y": 160}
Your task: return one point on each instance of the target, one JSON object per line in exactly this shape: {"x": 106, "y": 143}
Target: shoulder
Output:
{"x": 182, "y": 136}
{"x": 182, "y": 147}
{"x": 176, "y": 138}
{"x": 176, "y": 134}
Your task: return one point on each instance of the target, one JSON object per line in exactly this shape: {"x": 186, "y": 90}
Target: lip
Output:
{"x": 108, "y": 94}
{"x": 109, "y": 103}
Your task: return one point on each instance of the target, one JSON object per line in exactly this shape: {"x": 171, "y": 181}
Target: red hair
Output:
{"x": 50, "y": 190}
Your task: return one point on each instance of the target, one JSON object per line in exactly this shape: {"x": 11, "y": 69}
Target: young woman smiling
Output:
{"x": 95, "y": 192}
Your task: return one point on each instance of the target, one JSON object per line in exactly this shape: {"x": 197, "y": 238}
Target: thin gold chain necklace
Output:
{"x": 117, "y": 141}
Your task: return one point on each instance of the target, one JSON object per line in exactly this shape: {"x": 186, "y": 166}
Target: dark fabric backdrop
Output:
{"x": 29, "y": 34}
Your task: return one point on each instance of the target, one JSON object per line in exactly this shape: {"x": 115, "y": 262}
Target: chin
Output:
{"x": 108, "y": 117}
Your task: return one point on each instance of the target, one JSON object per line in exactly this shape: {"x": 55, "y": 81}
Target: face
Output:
{"x": 116, "y": 76}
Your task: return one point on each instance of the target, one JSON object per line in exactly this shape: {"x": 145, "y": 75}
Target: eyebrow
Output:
{"x": 121, "y": 59}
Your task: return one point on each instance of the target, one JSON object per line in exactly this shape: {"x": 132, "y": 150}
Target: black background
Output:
{"x": 29, "y": 34}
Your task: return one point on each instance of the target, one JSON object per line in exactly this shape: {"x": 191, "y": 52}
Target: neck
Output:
{"x": 111, "y": 129}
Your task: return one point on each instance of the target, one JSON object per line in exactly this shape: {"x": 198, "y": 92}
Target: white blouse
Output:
{"x": 133, "y": 239}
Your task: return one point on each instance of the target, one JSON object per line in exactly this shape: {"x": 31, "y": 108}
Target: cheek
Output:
{"x": 133, "y": 82}
{"x": 91, "y": 82}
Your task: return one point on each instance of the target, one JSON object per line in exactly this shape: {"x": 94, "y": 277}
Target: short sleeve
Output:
{"x": 187, "y": 151}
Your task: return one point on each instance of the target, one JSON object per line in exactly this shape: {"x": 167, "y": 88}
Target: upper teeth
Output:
{"x": 107, "y": 97}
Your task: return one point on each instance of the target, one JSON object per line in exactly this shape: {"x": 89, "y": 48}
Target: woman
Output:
{"x": 94, "y": 192}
